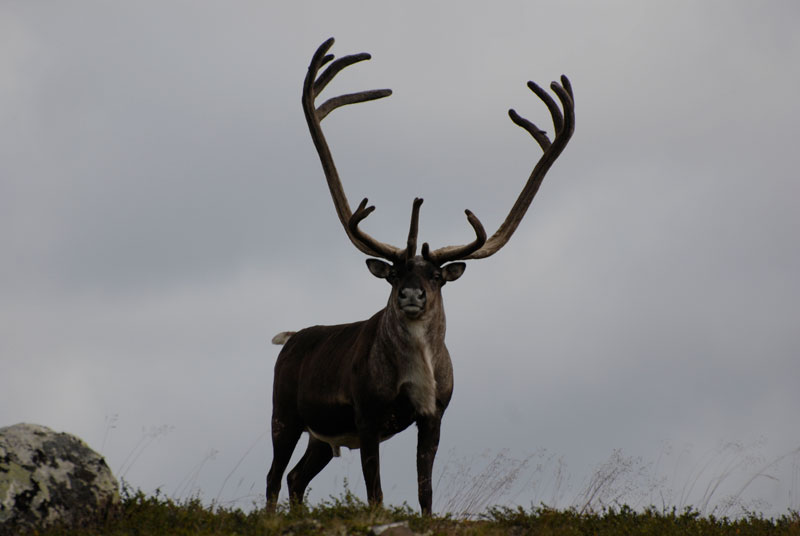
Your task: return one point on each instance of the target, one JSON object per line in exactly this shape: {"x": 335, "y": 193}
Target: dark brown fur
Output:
{"x": 363, "y": 380}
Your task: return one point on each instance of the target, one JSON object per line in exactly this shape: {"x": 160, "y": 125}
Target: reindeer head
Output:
{"x": 416, "y": 280}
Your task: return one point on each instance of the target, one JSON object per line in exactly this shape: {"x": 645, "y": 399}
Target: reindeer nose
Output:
{"x": 411, "y": 300}
{"x": 412, "y": 295}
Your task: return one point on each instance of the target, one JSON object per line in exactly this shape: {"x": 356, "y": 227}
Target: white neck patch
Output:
{"x": 419, "y": 372}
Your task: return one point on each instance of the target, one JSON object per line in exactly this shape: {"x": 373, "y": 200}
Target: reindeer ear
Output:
{"x": 452, "y": 271}
{"x": 379, "y": 269}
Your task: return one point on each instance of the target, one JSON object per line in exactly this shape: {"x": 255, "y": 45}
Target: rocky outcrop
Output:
{"x": 48, "y": 477}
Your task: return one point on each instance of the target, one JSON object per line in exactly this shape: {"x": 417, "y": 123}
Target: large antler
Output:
{"x": 564, "y": 127}
{"x": 312, "y": 87}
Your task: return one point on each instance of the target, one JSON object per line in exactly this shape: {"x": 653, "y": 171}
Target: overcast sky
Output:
{"x": 163, "y": 214}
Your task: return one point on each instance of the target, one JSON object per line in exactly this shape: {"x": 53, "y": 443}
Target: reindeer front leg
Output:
{"x": 370, "y": 465}
{"x": 427, "y": 445}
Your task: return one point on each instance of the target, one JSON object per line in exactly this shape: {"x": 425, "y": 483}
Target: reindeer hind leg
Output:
{"x": 285, "y": 434}
{"x": 318, "y": 454}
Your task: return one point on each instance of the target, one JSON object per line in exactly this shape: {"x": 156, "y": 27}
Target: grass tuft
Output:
{"x": 159, "y": 515}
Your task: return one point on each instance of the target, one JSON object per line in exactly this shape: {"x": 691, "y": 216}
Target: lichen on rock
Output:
{"x": 48, "y": 477}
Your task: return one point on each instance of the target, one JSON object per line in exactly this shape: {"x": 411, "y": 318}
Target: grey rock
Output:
{"x": 48, "y": 477}
{"x": 399, "y": 528}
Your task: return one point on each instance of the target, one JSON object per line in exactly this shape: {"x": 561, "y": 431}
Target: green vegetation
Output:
{"x": 157, "y": 515}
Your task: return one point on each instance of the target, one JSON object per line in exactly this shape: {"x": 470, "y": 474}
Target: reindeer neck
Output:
{"x": 413, "y": 349}
{"x": 407, "y": 335}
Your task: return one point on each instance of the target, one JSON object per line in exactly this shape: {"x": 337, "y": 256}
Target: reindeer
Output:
{"x": 355, "y": 385}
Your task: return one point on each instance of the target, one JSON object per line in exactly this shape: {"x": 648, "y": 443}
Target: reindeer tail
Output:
{"x": 282, "y": 337}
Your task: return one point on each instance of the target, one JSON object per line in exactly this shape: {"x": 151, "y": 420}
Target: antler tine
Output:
{"x": 451, "y": 253}
{"x": 333, "y": 69}
{"x": 312, "y": 87}
{"x": 320, "y": 58}
{"x": 565, "y": 95}
{"x": 352, "y": 98}
{"x": 413, "y": 231}
{"x": 567, "y": 85}
{"x": 564, "y": 126}
{"x": 555, "y": 112}
{"x": 539, "y": 135}
{"x": 376, "y": 247}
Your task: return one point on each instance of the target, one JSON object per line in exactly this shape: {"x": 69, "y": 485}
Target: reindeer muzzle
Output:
{"x": 411, "y": 301}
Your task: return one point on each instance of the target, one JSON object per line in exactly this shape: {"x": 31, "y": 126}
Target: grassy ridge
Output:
{"x": 156, "y": 515}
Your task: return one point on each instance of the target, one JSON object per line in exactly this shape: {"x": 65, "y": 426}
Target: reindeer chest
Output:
{"x": 417, "y": 371}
